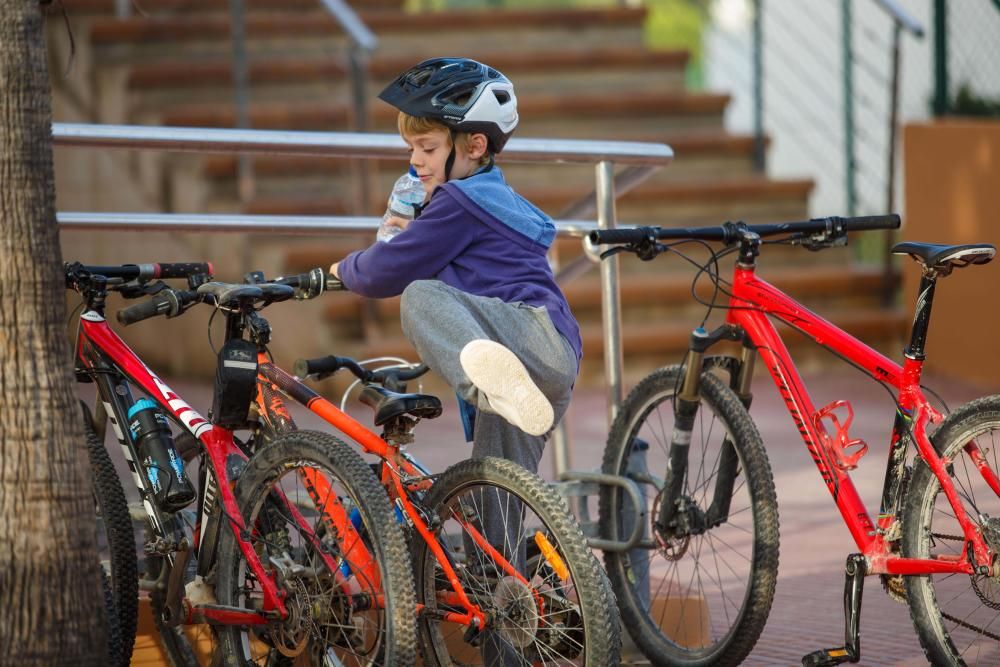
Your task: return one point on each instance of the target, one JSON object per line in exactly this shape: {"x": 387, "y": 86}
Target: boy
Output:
{"x": 479, "y": 301}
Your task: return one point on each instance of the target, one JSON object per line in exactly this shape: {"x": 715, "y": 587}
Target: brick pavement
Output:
{"x": 808, "y": 608}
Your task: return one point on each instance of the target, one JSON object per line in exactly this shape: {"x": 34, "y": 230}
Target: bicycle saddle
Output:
{"x": 227, "y": 294}
{"x": 388, "y": 404}
{"x": 944, "y": 258}
{"x": 274, "y": 292}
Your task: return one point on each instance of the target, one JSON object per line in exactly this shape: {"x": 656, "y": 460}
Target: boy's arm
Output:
{"x": 429, "y": 244}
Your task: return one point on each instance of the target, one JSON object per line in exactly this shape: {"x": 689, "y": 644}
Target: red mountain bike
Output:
{"x": 706, "y": 543}
{"x": 275, "y": 580}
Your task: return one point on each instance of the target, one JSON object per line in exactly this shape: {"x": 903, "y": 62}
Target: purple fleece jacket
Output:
{"x": 458, "y": 240}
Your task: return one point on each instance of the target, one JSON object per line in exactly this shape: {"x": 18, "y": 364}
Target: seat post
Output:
{"x": 922, "y": 316}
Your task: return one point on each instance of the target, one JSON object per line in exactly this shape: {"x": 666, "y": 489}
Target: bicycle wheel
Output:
{"x": 115, "y": 541}
{"x": 547, "y": 600}
{"x": 337, "y": 617}
{"x": 697, "y": 592}
{"x": 957, "y": 616}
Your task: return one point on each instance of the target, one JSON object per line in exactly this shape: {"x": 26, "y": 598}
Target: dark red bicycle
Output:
{"x": 696, "y": 585}
{"x": 264, "y": 576}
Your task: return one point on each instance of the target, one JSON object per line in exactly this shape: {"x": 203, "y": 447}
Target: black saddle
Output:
{"x": 943, "y": 258}
{"x": 388, "y": 404}
{"x": 228, "y": 294}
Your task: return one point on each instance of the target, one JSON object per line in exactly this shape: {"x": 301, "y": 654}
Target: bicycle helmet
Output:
{"x": 464, "y": 95}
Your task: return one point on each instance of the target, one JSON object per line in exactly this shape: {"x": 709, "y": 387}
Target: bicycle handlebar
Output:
{"x": 729, "y": 232}
{"x": 328, "y": 365}
{"x": 147, "y": 272}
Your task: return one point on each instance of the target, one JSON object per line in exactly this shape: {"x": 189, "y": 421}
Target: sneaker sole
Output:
{"x": 500, "y": 375}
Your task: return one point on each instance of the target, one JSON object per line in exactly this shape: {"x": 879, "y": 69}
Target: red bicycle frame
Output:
{"x": 752, "y": 300}
{"x": 98, "y": 348}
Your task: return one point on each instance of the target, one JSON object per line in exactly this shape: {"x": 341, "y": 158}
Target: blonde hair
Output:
{"x": 409, "y": 125}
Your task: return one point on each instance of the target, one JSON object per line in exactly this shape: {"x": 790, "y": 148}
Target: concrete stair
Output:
{"x": 579, "y": 74}
{"x": 615, "y": 69}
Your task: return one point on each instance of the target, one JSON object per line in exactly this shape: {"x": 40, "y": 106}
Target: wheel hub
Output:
{"x": 291, "y": 637}
{"x": 675, "y": 538}
{"x": 516, "y": 612}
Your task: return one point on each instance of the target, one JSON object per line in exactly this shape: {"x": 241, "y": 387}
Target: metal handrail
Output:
{"x": 902, "y": 17}
{"x": 343, "y": 144}
{"x": 352, "y": 24}
{"x": 642, "y": 160}
{"x": 286, "y": 225}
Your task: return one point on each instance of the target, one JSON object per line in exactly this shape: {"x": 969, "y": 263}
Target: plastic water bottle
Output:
{"x": 407, "y": 193}
{"x": 164, "y": 468}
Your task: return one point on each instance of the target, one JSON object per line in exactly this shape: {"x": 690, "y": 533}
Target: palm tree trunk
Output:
{"x": 51, "y": 606}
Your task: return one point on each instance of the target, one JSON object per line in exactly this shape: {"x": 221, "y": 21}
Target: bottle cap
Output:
{"x": 413, "y": 172}
{"x": 141, "y": 404}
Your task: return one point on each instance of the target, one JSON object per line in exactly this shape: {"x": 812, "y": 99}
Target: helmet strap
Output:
{"x": 450, "y": 162}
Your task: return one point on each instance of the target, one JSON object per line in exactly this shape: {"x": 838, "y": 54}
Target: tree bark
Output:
{"x": 51, "y": 604}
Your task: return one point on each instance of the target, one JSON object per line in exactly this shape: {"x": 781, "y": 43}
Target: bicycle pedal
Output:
{"x": 827, "y": 656}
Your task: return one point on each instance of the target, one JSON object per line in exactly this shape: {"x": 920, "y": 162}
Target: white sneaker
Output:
{"x": 509, "y": 390}
{"x": 199, "y": 592}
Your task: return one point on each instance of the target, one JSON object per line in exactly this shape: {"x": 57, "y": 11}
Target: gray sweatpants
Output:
{"x": 439, "y": 321}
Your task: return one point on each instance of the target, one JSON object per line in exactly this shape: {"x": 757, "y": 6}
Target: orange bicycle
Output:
{"x": 502, "y": 570}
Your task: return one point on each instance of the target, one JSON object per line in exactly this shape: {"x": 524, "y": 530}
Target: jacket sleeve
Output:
{"x": 430, "y": 242}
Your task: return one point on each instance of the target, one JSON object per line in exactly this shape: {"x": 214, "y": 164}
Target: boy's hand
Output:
{"x": 396, "y": 221}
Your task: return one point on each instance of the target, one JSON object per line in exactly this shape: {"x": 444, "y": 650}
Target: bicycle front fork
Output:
{"x": 855, "y": 571}
{"x": 672, "y": 501}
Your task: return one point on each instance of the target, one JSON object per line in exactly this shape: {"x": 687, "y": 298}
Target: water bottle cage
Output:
{"x": 840, "y": 443}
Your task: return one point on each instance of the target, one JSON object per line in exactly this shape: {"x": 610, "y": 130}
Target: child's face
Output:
{"x": 429, "y": 152}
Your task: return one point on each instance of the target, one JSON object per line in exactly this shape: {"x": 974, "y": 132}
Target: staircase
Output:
{"x": 580, "y": 74}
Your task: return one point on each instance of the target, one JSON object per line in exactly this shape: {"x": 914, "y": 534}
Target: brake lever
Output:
{"x": 136, "y": 289}
{"x": 822, "y": 240}
{"x": 614, "y": 251}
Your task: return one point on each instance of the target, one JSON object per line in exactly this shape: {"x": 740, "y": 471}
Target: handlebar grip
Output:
{"x": 401, "y": 374}
{"x": 868, "y": 222}
{"x": 181, "y": 269}
{"x": 168, "y": 302}
{"x": 624, "y": 235}
{"x": 323, "y": 366}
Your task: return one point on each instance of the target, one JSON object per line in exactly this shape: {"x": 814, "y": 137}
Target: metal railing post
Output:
{"x": 611, "y": 317}
{"x": 241, "y": 91}
{"x": 941, "y": 102}
{"x": 359, "y": 79}
{"x": 848, "y": 62}
{"x": 759, "y": 150}
{"x": 890, "y": 188}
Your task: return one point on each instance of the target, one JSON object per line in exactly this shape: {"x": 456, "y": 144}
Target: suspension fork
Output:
{"x": 685, "y": 411}
{"x": 742, "y": 377}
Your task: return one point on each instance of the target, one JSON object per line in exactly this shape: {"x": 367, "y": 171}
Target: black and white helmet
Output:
{"x": 465, "y": 95}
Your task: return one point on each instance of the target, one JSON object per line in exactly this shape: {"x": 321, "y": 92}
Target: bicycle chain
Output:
{"x": 982, "y": 631}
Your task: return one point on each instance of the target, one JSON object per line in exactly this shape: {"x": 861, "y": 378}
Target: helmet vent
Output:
{"x": 502, "y": 96}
